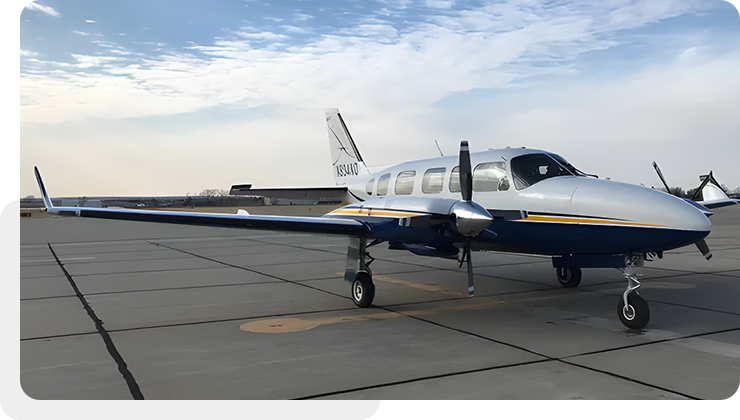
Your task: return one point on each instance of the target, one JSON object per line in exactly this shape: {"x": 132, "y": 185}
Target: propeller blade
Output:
{"x": 660, "y": 174}
{"x": 704, "y": 248}
{"x": 701, "y": 186}
{"x": 471, "y": 286}
{"x": 466, "y": 175}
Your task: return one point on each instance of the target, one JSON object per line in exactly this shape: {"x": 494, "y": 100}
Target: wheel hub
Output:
{"x": 629, "y": 312}
{"x": 357, "y": 290}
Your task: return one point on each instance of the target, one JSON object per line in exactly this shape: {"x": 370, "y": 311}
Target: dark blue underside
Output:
{"x": 564, "y": 238}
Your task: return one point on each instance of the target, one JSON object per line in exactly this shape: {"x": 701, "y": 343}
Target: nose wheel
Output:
{"x": 636, "y": 313}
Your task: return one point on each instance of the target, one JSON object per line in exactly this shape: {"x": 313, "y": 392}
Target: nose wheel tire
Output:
{"x": 569, "y": 276}
{"x": 636, "y": 314}
{"x": 363, "y": 290}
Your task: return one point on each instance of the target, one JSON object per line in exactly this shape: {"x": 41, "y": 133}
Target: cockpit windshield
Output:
{"x": 568, "y": 165}
{"x": 528, "y": 170}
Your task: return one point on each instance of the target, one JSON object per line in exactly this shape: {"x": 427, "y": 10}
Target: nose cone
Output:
{"x": 638, "y": 205}
{"x": 470, "y": 218}
{"x": 667, "y": 221}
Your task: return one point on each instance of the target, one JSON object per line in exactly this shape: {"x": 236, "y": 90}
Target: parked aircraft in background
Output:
{"x": 511, "y": 200}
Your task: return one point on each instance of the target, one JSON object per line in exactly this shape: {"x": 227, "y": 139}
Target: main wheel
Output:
{"x": 363, "y": 290}
{"x": 637, "y": 313}
{"x": 569, "y": 277}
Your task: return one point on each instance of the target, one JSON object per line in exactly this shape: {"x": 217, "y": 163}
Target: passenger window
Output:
{"x": 369, "y": 187}
{"x": 490, "y": 176}
{"x": 383, "y": 184}
{"x": 405, "y": 182}
{"x": 433, "y": 181}
{"x": 455, "y": 180}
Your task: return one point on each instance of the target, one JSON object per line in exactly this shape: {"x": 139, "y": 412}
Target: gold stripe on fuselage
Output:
{"x": 585, "y": 221}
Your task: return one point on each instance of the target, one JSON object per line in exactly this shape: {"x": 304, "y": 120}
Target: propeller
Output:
{"x": 660, "y": 175}
{"x": 470, "y": 217}
{"x": 701, "y": 244}
{"x": 466, "y": 173}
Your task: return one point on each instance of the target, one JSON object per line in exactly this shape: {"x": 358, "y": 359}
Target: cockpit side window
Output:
{"x": 383, "y": 184}
{"x": 490, "y": 176}
{"x": 528, "y": 170}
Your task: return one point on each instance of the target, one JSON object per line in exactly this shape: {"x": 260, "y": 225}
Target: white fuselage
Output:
{"x": 560, "y": 198}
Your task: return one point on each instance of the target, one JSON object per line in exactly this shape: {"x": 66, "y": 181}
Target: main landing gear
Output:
{"x": 363, "y": 289}
{"x": 359, "y": 274}
{"x": 569, "y": 276}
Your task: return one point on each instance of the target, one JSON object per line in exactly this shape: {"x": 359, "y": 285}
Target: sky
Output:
{"x": 171, "y": 97}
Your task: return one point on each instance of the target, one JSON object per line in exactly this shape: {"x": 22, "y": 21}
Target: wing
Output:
{"x": 320, "y": 225}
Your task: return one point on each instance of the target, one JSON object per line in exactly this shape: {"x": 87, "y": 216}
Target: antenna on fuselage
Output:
{"x": 440, "y": 150}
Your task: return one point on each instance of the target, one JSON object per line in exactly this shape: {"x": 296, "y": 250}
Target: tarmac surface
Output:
{"x": 115, "y": 310}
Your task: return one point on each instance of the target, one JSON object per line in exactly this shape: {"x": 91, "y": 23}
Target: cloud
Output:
{"x": 440, "y": 4}
{"x": 44, "y": 9}
{"x": 297, "y": 30}
{"x": 375, "y": 65}
{"x": 301, "y": 17}
{"x": 265, "y": 36}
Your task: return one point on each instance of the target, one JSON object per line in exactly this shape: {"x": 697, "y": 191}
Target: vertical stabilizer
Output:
{"x": 346, "y": 159}
{"x": 711, "y": 193}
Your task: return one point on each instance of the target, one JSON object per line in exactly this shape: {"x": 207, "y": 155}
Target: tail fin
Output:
{"x": 711, "y": 193}
{"x": 346, "y": 159}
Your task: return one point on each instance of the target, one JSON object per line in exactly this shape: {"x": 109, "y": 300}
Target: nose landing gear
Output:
{"x": 632, "y": 309}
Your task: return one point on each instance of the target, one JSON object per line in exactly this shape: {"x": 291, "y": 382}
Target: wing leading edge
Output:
{"x": 319, "y": 225}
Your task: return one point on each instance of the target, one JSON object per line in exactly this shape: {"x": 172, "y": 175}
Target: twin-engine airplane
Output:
{"x": 526, "y": 201}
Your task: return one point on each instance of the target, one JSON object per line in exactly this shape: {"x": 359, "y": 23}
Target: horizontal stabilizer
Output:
{"x": 328, "y": 195}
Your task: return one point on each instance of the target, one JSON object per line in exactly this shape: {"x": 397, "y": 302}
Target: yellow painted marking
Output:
{"x": 415, "y": 285}
{"x": 284, "y": 325}
{"x": 579, "y": 220}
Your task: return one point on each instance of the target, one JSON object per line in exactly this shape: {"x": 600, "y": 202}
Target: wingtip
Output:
{"x": 44, "y": 194}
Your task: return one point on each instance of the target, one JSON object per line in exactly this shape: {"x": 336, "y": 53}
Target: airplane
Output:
{"x": 526, "y": 201}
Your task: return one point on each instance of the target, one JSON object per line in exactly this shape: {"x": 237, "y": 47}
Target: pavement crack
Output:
{"x": 423, "y": 378}
{"x": 112, "y": 350}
